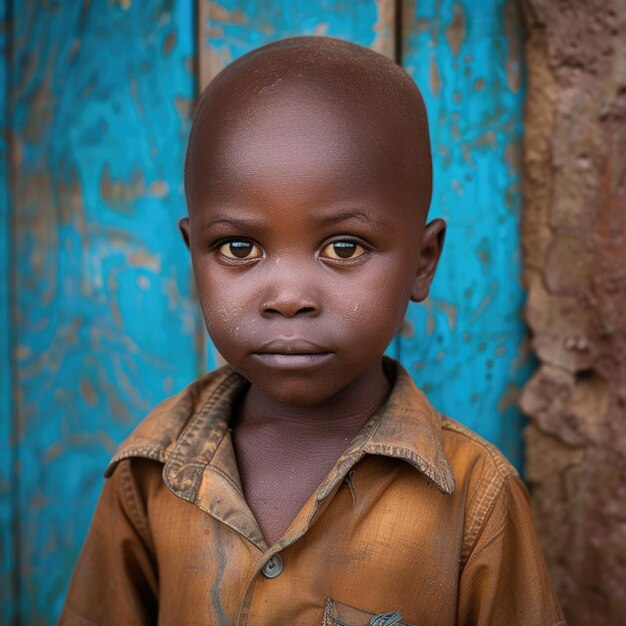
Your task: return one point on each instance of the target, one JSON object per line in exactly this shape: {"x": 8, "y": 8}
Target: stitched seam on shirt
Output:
{"x": 375, "y": 421}
{"x": 224, "y": 475}
{"x": 505, "y": 470}
{"x": 348, "y": 461}
{"x": 236, "y": 527}
{"x": 417, "y": 458}
{"x": 318, "y": 509}
{"x": 155, "y": 453}
{"x": 443, "y": 479}
{"x": 484, "y": 508}
{"x": 132, "y": 501}
{"x": 499, "y": 534}
{"x": 483, "y": 504}
{"x": 434, "y": 475}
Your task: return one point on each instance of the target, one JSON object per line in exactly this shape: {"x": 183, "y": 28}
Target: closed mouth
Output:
{"x": 293, "y": 361}
{"x": 292, "y": 347}
{"x": 292, "y": 354}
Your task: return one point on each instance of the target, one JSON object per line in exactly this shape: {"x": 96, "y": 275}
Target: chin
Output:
{"x": 295, "y": 391}
{"x": 296, "y": 396}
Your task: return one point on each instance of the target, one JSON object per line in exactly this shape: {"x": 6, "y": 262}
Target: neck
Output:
{"x": 343, "y": 414}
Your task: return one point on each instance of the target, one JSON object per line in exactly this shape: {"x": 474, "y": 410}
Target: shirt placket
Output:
{"x": 313, "y": 509}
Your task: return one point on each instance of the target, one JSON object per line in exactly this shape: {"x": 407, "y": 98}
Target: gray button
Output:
{"x": 273, "y": 567}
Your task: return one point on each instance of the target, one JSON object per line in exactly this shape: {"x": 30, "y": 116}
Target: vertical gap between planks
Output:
{"x": 197, "y": 26}
{"x": 208, "y": 63}
{"x": 398, "y": 16}
{"x": 397, "y": 34}
{"x": 13, "y": 336}
{"x": 10, "y": 322}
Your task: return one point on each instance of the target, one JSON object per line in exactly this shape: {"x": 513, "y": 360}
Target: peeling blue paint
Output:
{"x": 106, "y": 320}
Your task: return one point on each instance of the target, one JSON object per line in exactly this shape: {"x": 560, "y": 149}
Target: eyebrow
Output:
{"x": 228, "y": 221}
{"x": 355, "y": 215}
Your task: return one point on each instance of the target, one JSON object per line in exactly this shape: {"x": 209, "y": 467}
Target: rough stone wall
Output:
{"x": 574, "y": 244}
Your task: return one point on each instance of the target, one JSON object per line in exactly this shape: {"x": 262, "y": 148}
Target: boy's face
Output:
{"x": 305, "y": 244}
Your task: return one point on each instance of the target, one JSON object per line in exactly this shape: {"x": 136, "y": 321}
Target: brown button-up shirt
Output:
{"x": 419, "y": 522}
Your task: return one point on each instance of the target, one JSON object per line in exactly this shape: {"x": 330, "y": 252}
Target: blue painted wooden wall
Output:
{"x": 98, "y": 320}
{"x": 105, "y": 322}
{"x": 467, "y": 347}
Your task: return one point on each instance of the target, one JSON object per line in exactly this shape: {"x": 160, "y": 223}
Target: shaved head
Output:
{"x": 318, "y": 95}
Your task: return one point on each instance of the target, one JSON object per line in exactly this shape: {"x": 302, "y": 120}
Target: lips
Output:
{"x": 292, "y": 354}
{"x": 292, "y": 345}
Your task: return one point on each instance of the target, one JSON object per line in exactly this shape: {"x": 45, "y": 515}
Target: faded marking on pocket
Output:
{"x": 341, "y": 614}
{"x": 385, "y": 619}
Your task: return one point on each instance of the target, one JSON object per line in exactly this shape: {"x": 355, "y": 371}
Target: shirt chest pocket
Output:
{"x": 340, "y": 614}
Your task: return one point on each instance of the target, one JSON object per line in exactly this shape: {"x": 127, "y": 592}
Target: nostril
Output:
{"x": 288, "y": 311}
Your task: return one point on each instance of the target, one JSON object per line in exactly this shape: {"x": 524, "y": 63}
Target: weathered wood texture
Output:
{"x": 105, "y": 319}
{"x": 574, "y": 236}
{"x": 467, "y": 346}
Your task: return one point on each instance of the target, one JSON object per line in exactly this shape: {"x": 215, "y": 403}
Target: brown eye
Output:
{"x": 240, "y": 249}
{"x": 342, "y": 249}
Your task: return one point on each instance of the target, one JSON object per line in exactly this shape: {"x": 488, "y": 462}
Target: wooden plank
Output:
{"x": 7, "y": 485}
{"x": 105, "y": 316}
{"x": 467, "y": 346}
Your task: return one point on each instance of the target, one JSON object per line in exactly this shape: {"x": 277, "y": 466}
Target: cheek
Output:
{"x": 376, "y": 301}
{"x": 223, "y": 319}
{"x": 220, "y": 301}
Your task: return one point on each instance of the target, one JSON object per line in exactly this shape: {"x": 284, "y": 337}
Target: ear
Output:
{"x": 430, "y": 251}
{"x": 183, "y": 226}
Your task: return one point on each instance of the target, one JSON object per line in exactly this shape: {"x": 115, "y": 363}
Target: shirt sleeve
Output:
{"x": 115, "y": 580}
{"x": 505, "y": 580}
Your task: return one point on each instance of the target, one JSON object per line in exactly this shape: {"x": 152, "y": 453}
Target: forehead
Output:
{"x": 297, "y": 133}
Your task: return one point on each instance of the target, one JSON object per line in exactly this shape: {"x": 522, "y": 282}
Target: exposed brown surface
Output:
{"x": 574, "y": 240}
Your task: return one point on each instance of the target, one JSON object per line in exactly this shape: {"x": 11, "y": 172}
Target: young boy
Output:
{"x": 309, "y": 482}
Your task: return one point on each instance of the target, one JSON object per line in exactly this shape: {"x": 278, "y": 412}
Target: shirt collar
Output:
{"x": 185, "y": 431}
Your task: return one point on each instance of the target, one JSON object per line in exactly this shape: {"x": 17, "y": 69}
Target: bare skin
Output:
{"x": 308, "y": 179}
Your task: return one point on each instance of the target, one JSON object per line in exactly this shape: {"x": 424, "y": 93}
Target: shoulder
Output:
{"x": 469, "y": 453}
{"x": 500, "y": 557}
{"x": 487, "y": 483}
{"x": 156, "y": 435}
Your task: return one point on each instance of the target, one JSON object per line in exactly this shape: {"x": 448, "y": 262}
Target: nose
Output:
{"x": 289, "y": 297}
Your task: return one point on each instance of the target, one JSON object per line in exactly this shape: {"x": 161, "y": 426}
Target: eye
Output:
{"x": 240, "y": 249}
{"x": 342, "y": 249}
